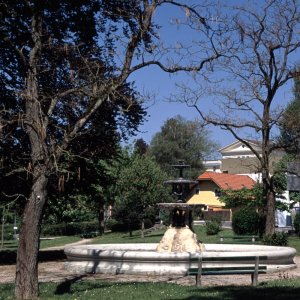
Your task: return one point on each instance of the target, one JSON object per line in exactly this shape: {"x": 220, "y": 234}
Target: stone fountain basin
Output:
{"x": 143, "y": 258}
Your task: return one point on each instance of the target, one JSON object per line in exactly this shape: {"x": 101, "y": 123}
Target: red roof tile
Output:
{"x": 228, "y": 181}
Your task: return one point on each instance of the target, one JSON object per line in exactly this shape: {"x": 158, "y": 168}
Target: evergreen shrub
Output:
{"x": 109, "y": 223}
{"x": 245, "y": 221}
{"x": 212, "y": 227}
{"x": 122, "y": 227}
{"x": 73, "y": 228}
{"x": 276, "y": 239}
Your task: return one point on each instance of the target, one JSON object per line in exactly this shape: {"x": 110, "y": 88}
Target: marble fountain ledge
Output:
{"x": 144, "y": 259}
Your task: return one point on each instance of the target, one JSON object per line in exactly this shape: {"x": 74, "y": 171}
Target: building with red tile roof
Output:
{"x": 207, "y": 191}
{"x": 228, "y": 181}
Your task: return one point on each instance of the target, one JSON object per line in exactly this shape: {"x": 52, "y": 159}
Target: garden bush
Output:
{"x": 109, "y": 223}
{"x": 8, "y": 232}
{"x": 297, "y": 224}
{"x": 198, "y": 213}
{"x": 73, "y": 228}
{"x": 119, "y": 227}
{"x": 212, "y": 227}
{"x": 246, "y": 221}
{"x": 122, "y": 227}
{"x": 276, "y": 239}
{"x": 148, "y": 223}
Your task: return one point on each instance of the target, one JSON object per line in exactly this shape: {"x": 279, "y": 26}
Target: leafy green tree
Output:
{"x": 290, "y": 138}
{"x": 140, "y": 147}
{"x": 289, "y": 125}
{"x": 139, "y": 187}
{"x": 53, "y": 81}
{"x": 85, "y": 198}
{"x": 243, "y": 197}
{"x": 181, "y": 139}
{"x": 65, "y": 68}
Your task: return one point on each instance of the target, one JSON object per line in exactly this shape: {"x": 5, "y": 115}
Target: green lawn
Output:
{"x": 294, "y": 242}
{"x": 287, "y": 289}
{"x": 155, "y": 237}
{"x": 45, "y": 243}
{"x": 59, "y": 241}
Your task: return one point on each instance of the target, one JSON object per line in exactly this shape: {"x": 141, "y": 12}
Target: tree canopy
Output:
{"x": 139, "y": 187}
{"x": 181, "y": 139}
{"x": 289, "y": 125}
{"x": 65, "y": 91}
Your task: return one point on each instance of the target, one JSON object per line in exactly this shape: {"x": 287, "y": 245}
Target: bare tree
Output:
{"x": 245, "y": 85}
{"x": 61, "y": 61}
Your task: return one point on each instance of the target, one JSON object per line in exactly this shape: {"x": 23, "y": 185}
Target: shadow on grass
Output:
{"x": 65, "y": 287}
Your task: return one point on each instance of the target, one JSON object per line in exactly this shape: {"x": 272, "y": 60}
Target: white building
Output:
{"x": 238, "y": 158}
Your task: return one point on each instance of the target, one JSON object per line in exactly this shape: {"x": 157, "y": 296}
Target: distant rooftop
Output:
{"x": 228, "y": 181}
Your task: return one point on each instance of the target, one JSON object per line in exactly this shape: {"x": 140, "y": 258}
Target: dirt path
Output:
{"x": 55, "y": 272}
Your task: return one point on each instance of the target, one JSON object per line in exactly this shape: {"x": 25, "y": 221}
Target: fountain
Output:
{"x": 172, "y": 255}
{"x": 179, "y": 237}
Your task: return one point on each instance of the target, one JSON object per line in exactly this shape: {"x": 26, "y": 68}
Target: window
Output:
{"x": 217, "y": 193}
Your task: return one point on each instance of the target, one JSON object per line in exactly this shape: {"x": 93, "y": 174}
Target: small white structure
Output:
{"x": 213, "y": 165}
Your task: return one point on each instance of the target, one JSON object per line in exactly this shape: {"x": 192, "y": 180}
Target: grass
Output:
{"x": 294, "y": 242}
{"x": 9, "y": 253}
{"x": 155, "y": 236}
{"x": 9, "y": 245}
{"x": 152, "y": 237}
{"x": 57, "y": 241}
{"x": 286, "y": 289}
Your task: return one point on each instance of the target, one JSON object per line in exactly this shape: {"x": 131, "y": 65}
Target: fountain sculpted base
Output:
{"x": 180, "y": 239}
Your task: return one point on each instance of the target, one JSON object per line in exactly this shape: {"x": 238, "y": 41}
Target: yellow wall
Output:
{"x": 206, "y": 195}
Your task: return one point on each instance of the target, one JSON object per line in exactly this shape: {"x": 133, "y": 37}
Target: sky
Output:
{"x": 162, "y": 85}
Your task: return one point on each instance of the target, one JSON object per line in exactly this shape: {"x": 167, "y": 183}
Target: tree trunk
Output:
{"x": 101, "y": 215}
{"x": 26, "y": 284}
{"x": 270, "y": 212}
{"x": 143, "y": 228}
{"x": 269, "y": 204}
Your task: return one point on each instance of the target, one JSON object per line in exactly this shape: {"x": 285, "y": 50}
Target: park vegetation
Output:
{"x": 67, "y": 100}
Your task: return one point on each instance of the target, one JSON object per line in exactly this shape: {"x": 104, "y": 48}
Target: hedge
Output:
{"x": 73, "y": 228}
